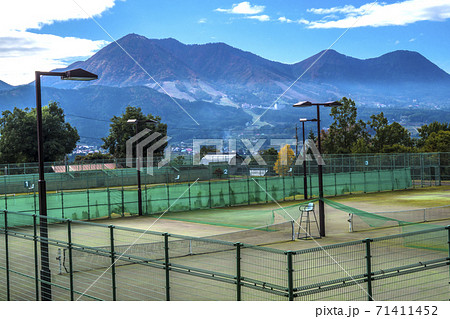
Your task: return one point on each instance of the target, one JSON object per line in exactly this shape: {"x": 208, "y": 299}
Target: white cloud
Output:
{"x": 397, "y": 42}
{"x": 22, "y": 51}
{"x": 299, "y": 21}
{"x": 22, "y": 15}
{"x": 344, "y": 9}
{"x": 202, "y": 20}
{"x": 412, "y": 39}
{"x": 243, "y": 8}
{"x": 302, "y": 21}
{"x": 377, "y": 15}
{"x": 285, "y": 20}
{"x": 261, "y": 18}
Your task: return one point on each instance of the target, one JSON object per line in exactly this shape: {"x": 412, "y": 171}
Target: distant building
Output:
{"x": 82, "y": 167}
{"x": 230, "y": 159}
{"x": 229, "y": 163}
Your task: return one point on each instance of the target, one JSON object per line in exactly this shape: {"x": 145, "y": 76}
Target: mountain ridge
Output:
{"x": 170, "y": 60}
{"x": 233, "y": 87}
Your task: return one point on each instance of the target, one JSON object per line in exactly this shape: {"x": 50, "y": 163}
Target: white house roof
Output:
{"x": 208, "y": 158}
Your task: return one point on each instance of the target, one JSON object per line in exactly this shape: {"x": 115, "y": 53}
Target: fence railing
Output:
{"x": 90, "y": 261}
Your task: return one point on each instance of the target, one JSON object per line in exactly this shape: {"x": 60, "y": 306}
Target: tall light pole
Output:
{"x": 319, "y": 164}
{"x": 75, "y": 75}
{"x": 305, "y": 180}
{"x": 138, "y": 166}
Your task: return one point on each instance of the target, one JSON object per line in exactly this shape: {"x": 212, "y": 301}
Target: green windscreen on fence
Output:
{"x": 108, "y": 202}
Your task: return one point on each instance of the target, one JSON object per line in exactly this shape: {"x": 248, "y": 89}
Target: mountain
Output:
{"x": 393, "y": 67}
{"x": 229, "y": 89}
{"x": 5, "y": 86}
{"x": 221, "y": 74}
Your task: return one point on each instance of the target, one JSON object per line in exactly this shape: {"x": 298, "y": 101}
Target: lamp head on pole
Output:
{"x": 308, "y": 103}
{"x": 79, "y": 75}
{"x": 135, "y": 121}
{"x": 308, "y": 120}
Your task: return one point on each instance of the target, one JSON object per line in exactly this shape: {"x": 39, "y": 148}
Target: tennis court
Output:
{"x": 200, "y": 259}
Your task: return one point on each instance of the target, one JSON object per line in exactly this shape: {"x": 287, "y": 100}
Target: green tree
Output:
{"x": 389, "y": 138}
{"x": 120, "y": 131}
{"x": 345, "y": 129}
{"x": 18, "y": 140}
{"x": 207, "y": 149}
{"x": 92, "y": 157}
{"x": 269, "y": 156}
{"x": 178, "y": 161}
{"x": 438, "y": 142}
{"x": 426, "y": 130}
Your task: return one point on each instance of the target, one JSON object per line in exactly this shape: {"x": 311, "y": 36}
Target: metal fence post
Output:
{"x": 422, "y": 169}
{"x": 368, "y": 268}
{"x": 8, "y": 292}
{"x": 69, "y": 247}
{"x": 62, "y": 204}
{"x": 290, "y": 270}
{"x": 123, "y": 197}
{"x": 209, "y": 193}
{"x": 6, "y": 196}
{"x": 293, "y": 230}
{"x": 439, "y": 169}
{"x": 108, "y": 194}
{"x": 350, "y": 188}
{"x": 88, "y": 205}
{"x": 229, "y": 192}
{"x": 267, "y": 196}
{"x": 335, "y": 184}
{"x": 238, "y": 272}
{"x": 365, "y": 190}
{"x": 189, "y": 195}
{"x": 34, "y": 200}
{"x": 248, "y": 190}
{"x": 294, "y": 190}
{"x": 113, "y": 263}
{"x": 36, "y": 257}
{"x": 167, "y": 264}
{"x": 146, "y": 199}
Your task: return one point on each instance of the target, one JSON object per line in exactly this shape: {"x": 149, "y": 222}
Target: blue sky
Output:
{"x": 46, "y": 34}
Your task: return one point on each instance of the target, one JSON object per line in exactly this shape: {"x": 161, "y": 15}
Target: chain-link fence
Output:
{"x": 426, "y": 169}
{"x": 89, "y": 261}
{"x": 107, "y": 188}
{"x": 109, "y": 202}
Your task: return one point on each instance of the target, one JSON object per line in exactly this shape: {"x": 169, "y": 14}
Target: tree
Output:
{"x": 389, "y": 138}
{"x": 93, "y": 157}
{"x": 18, "y": 140}
{"x": 426, "y": 130}
{"x": 120, "y": 132}
{"x": 345, "y": 129}
{"x": 178, "y": 161}
{"x": 438, "y": 142}
{"x": 269, "y": 156}
{"x": 285, "y": 160}
{"x": 207, "y": 149}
